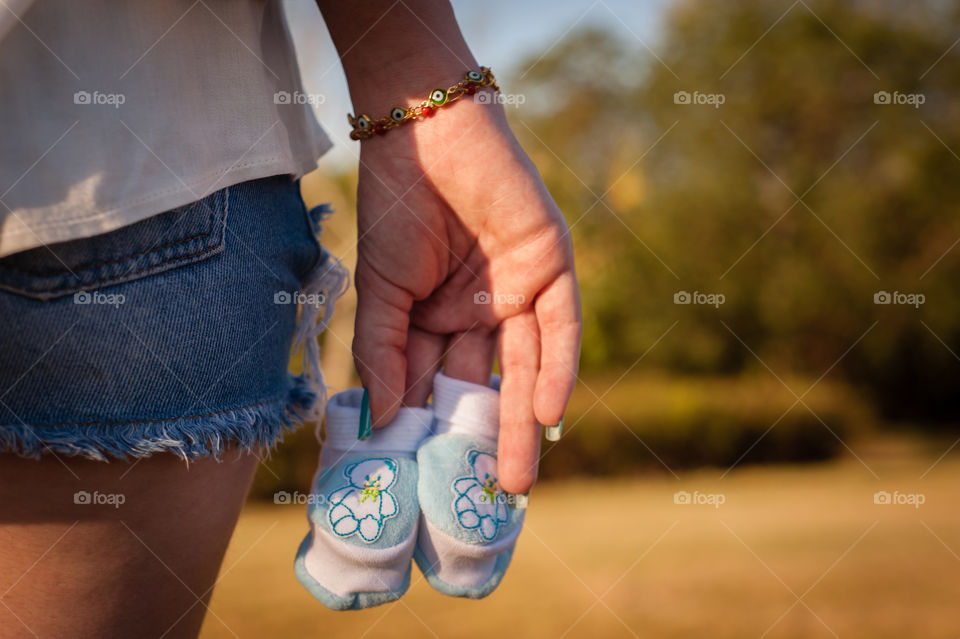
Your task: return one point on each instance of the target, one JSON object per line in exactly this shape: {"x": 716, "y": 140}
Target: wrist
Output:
{"x": 404, "y": 80}
{"x": 393, "y": 52}
{"x": 466, "y": 150}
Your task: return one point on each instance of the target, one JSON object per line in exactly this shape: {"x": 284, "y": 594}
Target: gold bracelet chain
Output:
{"x": 364, "y": 127}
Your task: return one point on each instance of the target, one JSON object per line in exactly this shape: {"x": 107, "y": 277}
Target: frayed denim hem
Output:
{"x": 246, "y": 429}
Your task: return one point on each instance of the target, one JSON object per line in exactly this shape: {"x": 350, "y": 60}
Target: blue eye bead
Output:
{"x": 438, "y": 96}
{"x": 397, "y": 114}
{"x": 474, "y": 76}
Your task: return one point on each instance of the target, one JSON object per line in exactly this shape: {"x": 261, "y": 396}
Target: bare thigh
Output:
{"x": 136, "y": 557}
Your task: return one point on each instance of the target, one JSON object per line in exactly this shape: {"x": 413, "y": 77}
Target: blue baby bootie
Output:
{"x": 468, "y": 526}
{"x": 363, "y": 509}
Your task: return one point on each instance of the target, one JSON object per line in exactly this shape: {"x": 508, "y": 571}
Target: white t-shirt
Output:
{"x": 115, "y": 110}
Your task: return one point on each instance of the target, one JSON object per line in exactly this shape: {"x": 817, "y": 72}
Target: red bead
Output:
{"x": 427, "y": 111}
{"x": 471, "y": 88}
{"x": 379, "y": 128}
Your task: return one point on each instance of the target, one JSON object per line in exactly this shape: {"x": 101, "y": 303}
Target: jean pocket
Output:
{"x": 159, "y": 243}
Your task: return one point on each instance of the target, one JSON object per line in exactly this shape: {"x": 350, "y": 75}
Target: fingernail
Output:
{"x": 366, "y": 424}
{"x": 519, "y": 501}
{"x": 552, "y": 433}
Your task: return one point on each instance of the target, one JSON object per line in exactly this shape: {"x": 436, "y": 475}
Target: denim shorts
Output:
{"x": 173, "y": 334}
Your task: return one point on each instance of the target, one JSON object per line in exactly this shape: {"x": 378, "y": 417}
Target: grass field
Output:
{"x": 797, "y": 551}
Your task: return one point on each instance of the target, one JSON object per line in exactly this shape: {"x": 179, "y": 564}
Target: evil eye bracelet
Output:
{"x": 364, "y": 127}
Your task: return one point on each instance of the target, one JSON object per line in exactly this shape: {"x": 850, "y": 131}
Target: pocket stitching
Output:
{"x": 138, "y": 273}
{"x": 129, "y": 276}
{"x": 88, "y": 267}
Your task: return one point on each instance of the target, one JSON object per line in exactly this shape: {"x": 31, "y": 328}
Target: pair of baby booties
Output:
{"x": 422, "y": 488}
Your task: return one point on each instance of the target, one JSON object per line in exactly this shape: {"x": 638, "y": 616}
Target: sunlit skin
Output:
{"x": 86, "y": 571}
{"x": 449, "y": 207}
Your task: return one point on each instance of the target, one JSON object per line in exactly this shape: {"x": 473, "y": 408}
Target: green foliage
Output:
{"x": 658, "y": 423}
{"x": 666, "y": 197}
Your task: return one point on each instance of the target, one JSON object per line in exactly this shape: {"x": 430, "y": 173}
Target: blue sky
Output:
{"x": 501, "y": 33}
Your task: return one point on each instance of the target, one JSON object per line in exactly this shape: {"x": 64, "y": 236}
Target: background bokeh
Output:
{"x": 791, "y": 170}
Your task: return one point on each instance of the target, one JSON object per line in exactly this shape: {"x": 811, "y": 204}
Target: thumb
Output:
{"x": 379, "y": 340}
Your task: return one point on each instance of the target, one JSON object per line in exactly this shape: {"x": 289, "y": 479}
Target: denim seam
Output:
{"x": 130, "y": 276}
{"x": 87, "y": 267}
{"x": 167, "y": 264}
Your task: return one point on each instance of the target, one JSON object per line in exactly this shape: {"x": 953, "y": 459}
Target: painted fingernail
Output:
{"x": 519, "y": 501}
{"x": 366, "y": 424}
{"x": 552, "y": 433}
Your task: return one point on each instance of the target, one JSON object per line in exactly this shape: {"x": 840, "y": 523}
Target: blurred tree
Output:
{"x": 798, "y": 198}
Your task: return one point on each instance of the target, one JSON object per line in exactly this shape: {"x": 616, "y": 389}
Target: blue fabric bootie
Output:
{"x": 363, "y": 508}
{"x": 468, "y": 526}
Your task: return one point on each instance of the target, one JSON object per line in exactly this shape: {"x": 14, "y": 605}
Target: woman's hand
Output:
{"x": 451, "y": 209}
{"x": 461, "y": 252}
